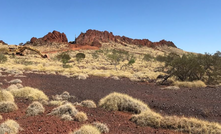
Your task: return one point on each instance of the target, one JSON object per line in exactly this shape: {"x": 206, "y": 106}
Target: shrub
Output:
{"x": 29, "y": 93}
{"x": 67, "y": 108}
{"x": 101, "y": 127}
{"x": 56, "y": 102}
{"x": 9, "y": 127}
{"x": 147, "y": 118}
{"x": 80, "y": 56}
{"x": 66, "y": 117}
{"x": 122, "y": 102}
{"x": 3, "y": 58}
{"x": 190, "y": 125}
{"x": 6, "y": 96}
{"x": 63, "y": 57}
{"x": 87, "y": 129}
{"x": 7, "y": 106}
{"x": 35, "y": 108}
{"x": 88, "y": 103}
{"x": 147, "y": 57}
{"x": 190, "y": 84}
{"x": 81, "y": 117}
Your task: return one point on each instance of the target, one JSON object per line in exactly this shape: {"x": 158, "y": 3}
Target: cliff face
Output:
{"x": 55, "y": 36}
{"x": 92, "y": 36}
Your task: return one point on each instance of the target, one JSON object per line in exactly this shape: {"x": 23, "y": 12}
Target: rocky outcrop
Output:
{"x": 95, "y": 38}
{"x": 2, "y": 42}
{"x": 55, "y": 36}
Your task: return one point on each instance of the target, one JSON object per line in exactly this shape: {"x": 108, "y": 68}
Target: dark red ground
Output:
{"x": 203, "y": 103}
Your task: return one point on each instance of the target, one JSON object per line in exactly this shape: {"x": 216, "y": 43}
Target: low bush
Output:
{"x": 10, "y": 127}
{"x": 29, "y": 93}
{"x": 88, "y": 103}
{"x": 80, "y": 56}
{"x": 63, "y": 57}
{"x": 81, "y": 117}
{"x": 6, "y": 96}
{"x": 67, "y": 108}
{"x": 66, "y": 117}
{"x": 3, "y": 58}
{"x": 122, "y": 102}
{"x": 87, "y": 129}
{"x": 7, "y": 106}
{"x": 194, "y": 84}
{"x": 35, "y": 108}
{"x": 147, "y": 118}
{"x": 103, "y": 128}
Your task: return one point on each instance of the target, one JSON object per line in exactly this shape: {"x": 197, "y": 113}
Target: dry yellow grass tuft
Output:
{"x": 103, "y": 128}
{"x": 6, "y": 96}
{"x": 9, "y": 127}
{"x": 194, "y": 84}
{"x": 7, "y": 106}
{"x": 1, "y": 117}
{"x": 67, "y": 108}
{"x": 122, "y": 102}
{"x": 148, "y": 118}
{"x": 66, "y": 117}
{"x": 87, "y": 129}
{"x": 29, "y": 93}
{"x": 35, "y": 108}
{"x": 56, "y": 102}
{"x": 81, "y": 117}
{"x": 88, "y": 103}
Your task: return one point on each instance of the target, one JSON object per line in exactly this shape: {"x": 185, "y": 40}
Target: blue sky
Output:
{"x": 193, "y": 25}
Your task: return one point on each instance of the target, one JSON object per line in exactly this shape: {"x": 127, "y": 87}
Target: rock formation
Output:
{"x": 94, "y": 37}
{"x": 2, "y": 42}
{"x": 55, "y": 36}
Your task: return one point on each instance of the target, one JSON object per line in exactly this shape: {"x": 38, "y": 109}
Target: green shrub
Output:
{"x": 80, "y": 56}
{"x": 122, "y": 102}
{"x": 3, "y": 58}
{"x": 63, "y": 57}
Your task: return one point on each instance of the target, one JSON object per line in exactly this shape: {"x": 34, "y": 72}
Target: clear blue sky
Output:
{"x": 193, "y": 25}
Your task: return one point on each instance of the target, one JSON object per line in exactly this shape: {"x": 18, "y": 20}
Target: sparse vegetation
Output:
{"x": 7, "y": 106}
{"x": 88, "y": 103}
{"x": 122, "y": 102}
{"x": 67, "y": 108}
{"x": 10, "y": 127}
{"x": 3, "y": 58}
{"x": 103, "y": 128}
{"x": 29, "y": 93}
{"x": 64, "y": 58}
{"x": 87, "y": 129}
{"x": 6, "y": 96}
{"x": 81, "y": 117}
{"x": 35, "y": 108}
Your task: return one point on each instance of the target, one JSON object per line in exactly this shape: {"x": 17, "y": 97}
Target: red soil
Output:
{"x": 203, "y": 103}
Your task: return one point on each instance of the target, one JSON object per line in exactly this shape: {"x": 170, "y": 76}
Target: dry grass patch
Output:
{"x": 88, "y": 103}
{"x": 87, "y": 129}
{"x": 10, "y": 127}
{"x": 81, "y": 117}
{"x": 35, "y": 108}
{"x": 148, "y": 118}
{"x": 6, "y": 96}
{"x": 1, "y": 117}
{"x": 67, "y": 108}
{"x": 7, "y": 106}
{"x": 194, "y": 84}
{"x": 122, "y": 102}
{"x": 29, "y": 93}
{"x": 56, "y": 102}
{"x": 103, "y": 128}
{"x": 66, "y": 117}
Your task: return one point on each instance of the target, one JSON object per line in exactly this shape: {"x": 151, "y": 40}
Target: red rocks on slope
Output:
{"x": 55, "y": 36}
{"x": 92, "y": 36}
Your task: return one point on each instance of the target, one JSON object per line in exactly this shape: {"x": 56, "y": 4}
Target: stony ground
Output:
{"x": 202, "y": 103}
